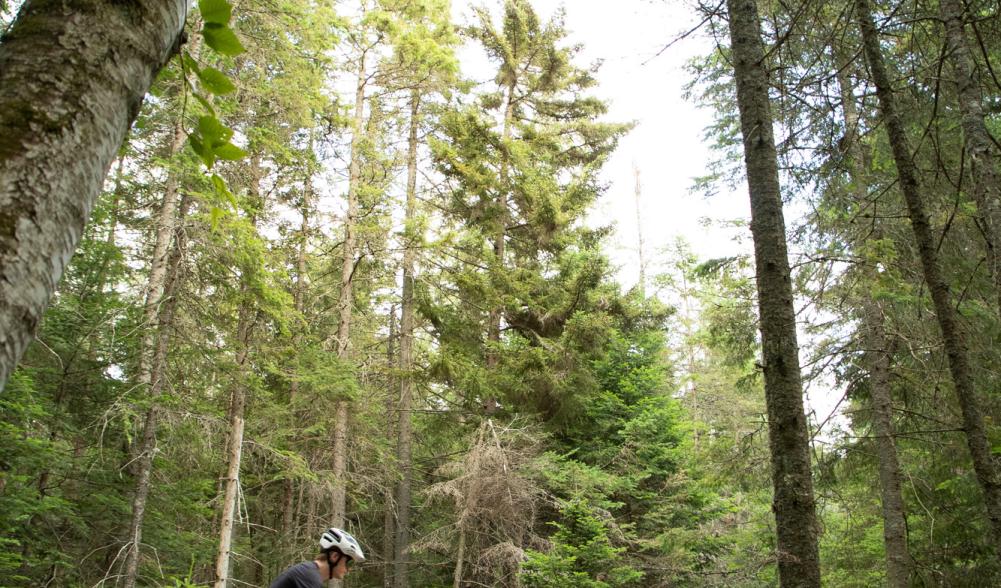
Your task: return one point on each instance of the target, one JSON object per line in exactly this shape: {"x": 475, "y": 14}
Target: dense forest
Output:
{"x": 326, "y": 278}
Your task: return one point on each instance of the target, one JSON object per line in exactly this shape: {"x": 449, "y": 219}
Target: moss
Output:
{"x": 14, "y": 127}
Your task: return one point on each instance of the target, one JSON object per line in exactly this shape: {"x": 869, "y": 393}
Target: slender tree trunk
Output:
{"x": 877, "y": 357}
{"x": 639, "y": 229}
{"x": 110, "y": 237}
{"x": 500, "y": 236}
{"x": 150, "y": 370}
{"x": 299, "y": 295}
{"x": 980, "y": 147}
{"x": 953, "y": 335}
{"x": 72, "y": 79}
{"x": 460, "y": 556}
{"x": 898, "y": 559}
{"x": 237, "y": 406}
{"x": 404, "y": 439}
{"x": 388, "y": 511}
{"x": 234, "y": 453}
{"x": 469, "y": 507}
{"x": 795, "y": 517}
{"x": 345, "y": 302}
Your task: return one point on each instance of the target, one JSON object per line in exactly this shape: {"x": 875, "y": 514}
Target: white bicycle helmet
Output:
{"x": 343, "y": 541}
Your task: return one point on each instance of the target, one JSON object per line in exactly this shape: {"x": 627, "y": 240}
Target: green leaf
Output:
{"x": 230, "y": 152}
{"x": 190, "y": 63}
{"x": 198, "y": 145}
{"x": 213, "y": 132}
{"x": 205, "y": 103}
{"x": 215, "y": 11}
{"x": 215, "y": 81}
{"x": 215, "y": 215}
{"x": 222, "y": 39}
{"x": 223, "y": 191}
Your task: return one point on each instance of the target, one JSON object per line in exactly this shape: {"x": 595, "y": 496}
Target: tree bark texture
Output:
{"x": 898, "y": 558}
{"x": 953, "y": 335}
{"x": 345, "y": 302}
{"x": 73, "y": 74}
{"x": 980, "y": 147}
{"x": 795, "y": 516}
{"x": 404, "y": 439}
{"x": 388, "y": 510}
{"x": 234, "y": 455}
{"x": 237, "y": 407}
{"x": 877, "y": 358}
{"x": 163, "y": 324}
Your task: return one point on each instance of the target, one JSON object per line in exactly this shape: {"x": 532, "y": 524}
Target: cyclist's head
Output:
{"x": 339, "y": 541}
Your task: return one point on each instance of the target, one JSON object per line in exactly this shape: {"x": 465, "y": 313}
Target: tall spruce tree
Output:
{"x": 795, "y": 515}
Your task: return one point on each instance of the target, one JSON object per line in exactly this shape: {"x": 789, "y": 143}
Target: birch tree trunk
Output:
{"x": 237, "y": 406}
{"x": 404, "y": 444}
{"x": 150, "y": 370}
{"x": 72, "y": 78}
{"x": 796, "y": 525}
{"x": 953, "y": 334}
{"x": 877, "y": 358}
{"x": 234, "y": 454}
{"x": 980, "y": 147}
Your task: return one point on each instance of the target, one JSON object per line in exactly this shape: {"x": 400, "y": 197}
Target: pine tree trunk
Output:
{"x": 469, "y": 508}
{"x": 72, "y": 79}
{"x": 898, "y": 559}
{"x": 953, "y": 335}
{"x": 299, "y": 295}
{"x": 460, "y": 556}
{"x": 494, "y": 318}
{"x": 795, "y": 517}
{"x": 980, "y": 147}
{"x": 877, "y": 357}
{"x": 388, "y": 512}
{"x": 345, "y": 302}
{"x": 404, "y": 444}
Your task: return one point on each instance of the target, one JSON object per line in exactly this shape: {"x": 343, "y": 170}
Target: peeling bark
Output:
{"x": 795, "y": 516}
{"x": 72, "y": 78}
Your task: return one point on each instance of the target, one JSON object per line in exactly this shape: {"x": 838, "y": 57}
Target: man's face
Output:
{"x": 341, "y": 567}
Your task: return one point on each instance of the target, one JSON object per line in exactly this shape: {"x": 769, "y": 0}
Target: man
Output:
{"x": 337, "y": 549}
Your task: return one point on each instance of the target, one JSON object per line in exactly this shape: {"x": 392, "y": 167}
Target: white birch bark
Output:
{"x": 73, "y": 75}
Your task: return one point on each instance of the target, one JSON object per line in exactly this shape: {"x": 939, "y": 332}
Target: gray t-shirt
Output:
{"x": 302, "y": 575}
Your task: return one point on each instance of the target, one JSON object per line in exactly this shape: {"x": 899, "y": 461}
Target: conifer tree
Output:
{"x": 796, "y": 525}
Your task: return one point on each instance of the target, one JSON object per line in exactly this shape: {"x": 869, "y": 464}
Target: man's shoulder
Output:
{"x": 301, "y": 575}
